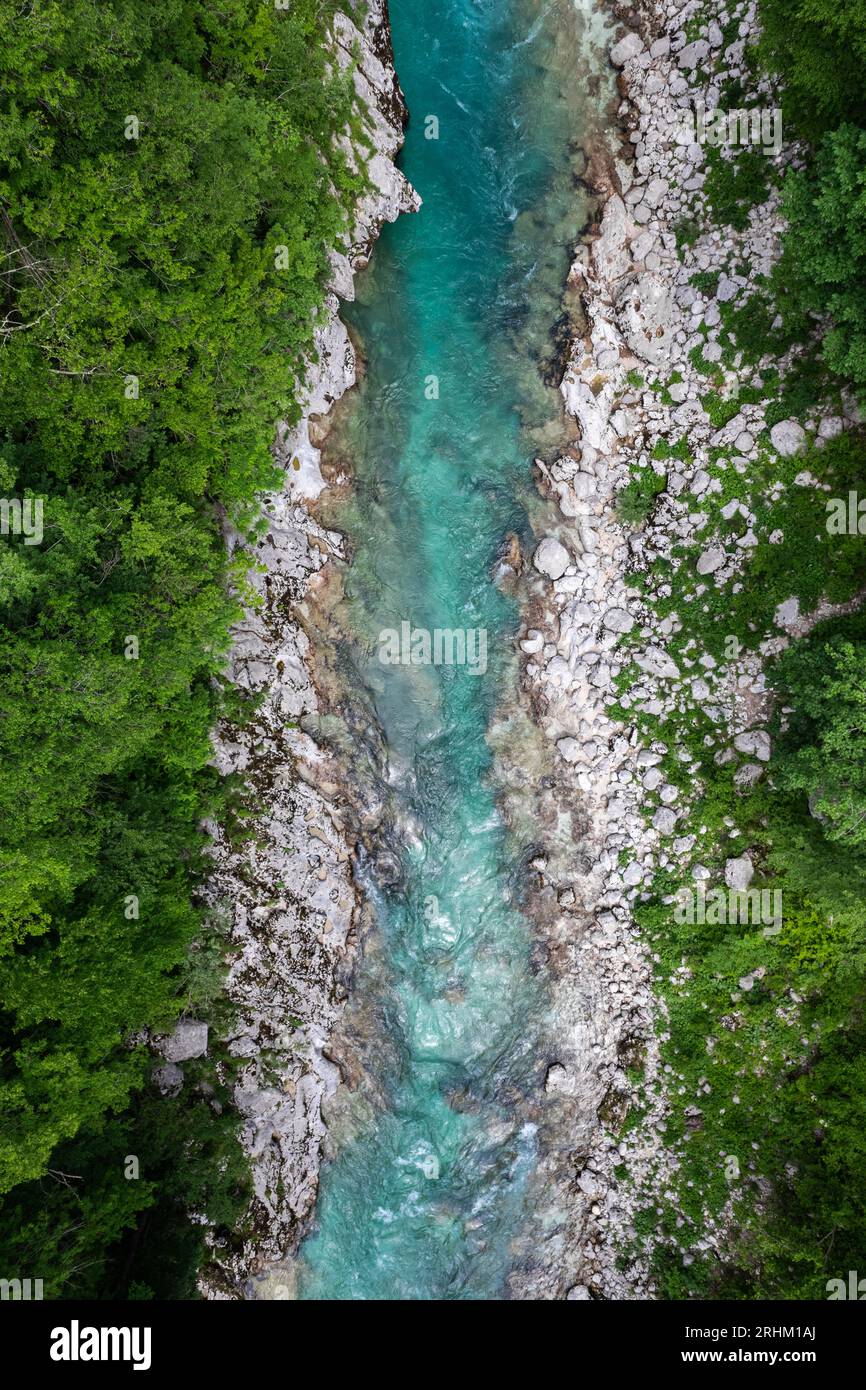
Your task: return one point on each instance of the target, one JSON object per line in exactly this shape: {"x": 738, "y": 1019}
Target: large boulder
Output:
{"x": 625, "y": 50}
{"x": 551, "y": 558}
{"x": 188, "y": 1040}
{"x": 168, "y": 1079}
{"x": 645, "y": 311}
{"x": 711, "y": 560}
{"x": 633, "y": 874}
{"x": 739, "y": 873}
{"x": 617, "y": 620}
{"x": 612, "y": 258}
{"x": 656, "y": 662}
{"x": 665, "y": 820}
{"x": 788, "y": 438}
{"x": 755, "y": 742}
{"x": 788, "y": 612}
{"x": 694, "y": 55}
{"x": 558, "y": 1082}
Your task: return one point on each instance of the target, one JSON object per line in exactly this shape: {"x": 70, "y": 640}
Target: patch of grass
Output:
{"x": 737, "y": 184}
{"x": 707, "y": 281}
{"x": 686, "y": 232}
{"x": 705, "y": 366}
{"x": 637, "y": 499}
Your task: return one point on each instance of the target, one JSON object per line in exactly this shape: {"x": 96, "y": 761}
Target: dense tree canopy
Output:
{"x": 170, "y": 185}
{"x": 827, "y": 750}
{"x": 818, "y": 49}
{"x": 823, "y": 270}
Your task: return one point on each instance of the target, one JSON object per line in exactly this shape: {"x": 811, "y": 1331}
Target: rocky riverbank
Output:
{"x": 599, "y": 671}
{"x": 286, "y": 887}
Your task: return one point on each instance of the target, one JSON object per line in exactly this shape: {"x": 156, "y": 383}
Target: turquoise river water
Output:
{"x": 456, "y": 317}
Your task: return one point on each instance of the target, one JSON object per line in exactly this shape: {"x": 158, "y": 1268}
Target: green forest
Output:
{"x": 170, "y": 186}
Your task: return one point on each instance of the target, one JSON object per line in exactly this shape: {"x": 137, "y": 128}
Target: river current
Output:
{"x": 456, "y": 319}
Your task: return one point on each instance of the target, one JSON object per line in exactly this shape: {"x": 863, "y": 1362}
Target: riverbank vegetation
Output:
{"x": 767, "y": 1031}
{"x": 170, "y": 185}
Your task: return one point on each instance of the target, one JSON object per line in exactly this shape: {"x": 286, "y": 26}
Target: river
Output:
{"x": 456, "y": 318}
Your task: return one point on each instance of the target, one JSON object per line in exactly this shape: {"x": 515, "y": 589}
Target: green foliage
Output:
{"x": 92, "y": 1227}
{"x": 772, "y": 1074}
{"x": 637, "y": 498}
{"x": 707, "y": 281}
{"x": 171, "y": 184}
{"x": 720, "y": 409}
{"x": 828, "y": 686}
{"x": 686, "y": 231}
{"x": 824, "y": 266}
{"x": 735, "y": 182}
{"x": 826, "y": 565}
{"x": 818, "y": 49}
{"x": 664, "y": 450}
